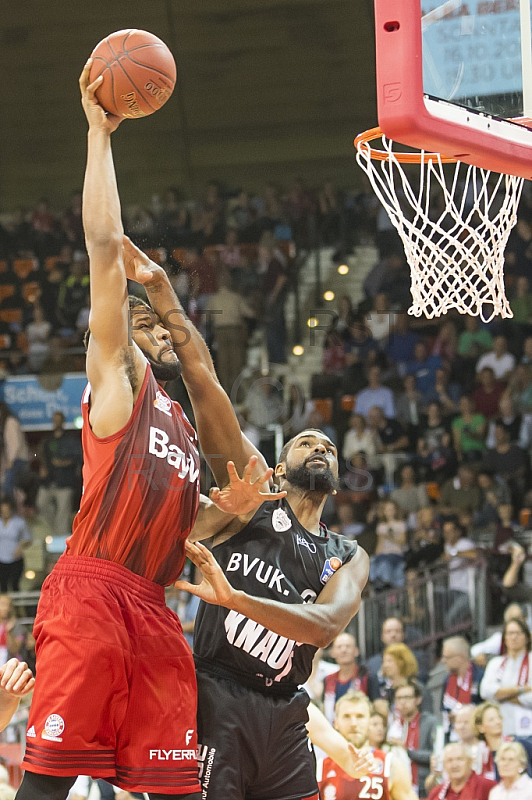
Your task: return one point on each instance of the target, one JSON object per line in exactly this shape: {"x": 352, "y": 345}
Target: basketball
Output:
{"x": 139, "y": 73}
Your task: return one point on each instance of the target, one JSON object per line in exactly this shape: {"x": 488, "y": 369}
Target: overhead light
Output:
{"x": 49, "y": 539}
{"x": 298, "y": 350}
{"x": 328, "y": 295}
{"x": 312, "y": 322}
{"x": 30, "y": 575}
{"x": 78, "y": 423}
{"x": 343, "y": 269}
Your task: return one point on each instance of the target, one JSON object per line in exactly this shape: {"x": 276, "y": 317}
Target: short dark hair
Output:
{"x": 133, "y": 302}
{"x": 416, "y": 686}
{"x": 284, "y": 452}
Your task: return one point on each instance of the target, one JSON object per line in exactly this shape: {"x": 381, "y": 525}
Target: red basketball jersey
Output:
{"x": 140, "y": 488}
{"x": 335, "y": 784}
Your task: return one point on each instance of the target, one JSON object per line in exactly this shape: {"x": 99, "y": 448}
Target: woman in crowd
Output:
{"x": 387, "y": 565}
{"x": 488, "y": 726}
{"x": 507, "y": 679}
{"x": 398, "y": 665}
{"x": 358, "y": 439}
{"x": 514, "y": 784}
{"x": 12, "y": 633}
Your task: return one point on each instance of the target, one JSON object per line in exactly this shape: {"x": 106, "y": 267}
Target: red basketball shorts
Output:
{"x": 115, "y": 692}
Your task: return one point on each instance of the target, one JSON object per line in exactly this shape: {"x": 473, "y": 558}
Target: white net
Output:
{"x": 454, "y": 221}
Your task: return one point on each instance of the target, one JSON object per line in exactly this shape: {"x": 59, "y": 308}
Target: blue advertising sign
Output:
{"x": 34, "y": 399}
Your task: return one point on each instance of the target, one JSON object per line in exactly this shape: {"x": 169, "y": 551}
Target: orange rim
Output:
{"x": 404, "y": 158}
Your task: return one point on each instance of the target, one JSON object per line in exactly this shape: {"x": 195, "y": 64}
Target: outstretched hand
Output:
{"x": 16, "y": 678}
{"x": 359, "y": 763}
{"x": 242, "y": 495}
{"x": 139, "y": 267}
{"x": 214, "y": 587}
{"x": 97, "y": 117}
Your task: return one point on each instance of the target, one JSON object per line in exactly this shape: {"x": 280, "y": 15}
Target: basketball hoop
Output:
{"x": 454, "y": 222}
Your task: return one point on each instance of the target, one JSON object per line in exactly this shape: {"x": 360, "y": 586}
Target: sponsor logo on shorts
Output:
{"x": 53, "y": 728}
{"x": 206, "y": 758}
{"x": 172, "y": 755}
{"x": 329, "y": 568}
{"x": 281, "y": 521}
{"x": 30, "y": 733}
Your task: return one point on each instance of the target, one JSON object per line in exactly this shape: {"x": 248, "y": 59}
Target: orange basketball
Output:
{"x": 139, "y": 73}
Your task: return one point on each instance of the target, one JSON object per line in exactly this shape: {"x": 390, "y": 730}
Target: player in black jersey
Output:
{"x": 280, "y": 587}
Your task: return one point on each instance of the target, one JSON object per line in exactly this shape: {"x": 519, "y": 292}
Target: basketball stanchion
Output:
{"x": 454, "y": 221}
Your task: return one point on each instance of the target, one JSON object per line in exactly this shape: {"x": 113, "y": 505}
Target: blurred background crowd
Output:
{"x": 433, "y": 420}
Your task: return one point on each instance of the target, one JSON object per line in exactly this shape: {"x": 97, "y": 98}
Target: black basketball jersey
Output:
{"x": 276, "y": 558}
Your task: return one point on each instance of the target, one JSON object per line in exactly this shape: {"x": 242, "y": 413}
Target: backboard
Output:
{"x": 453, "y": 76}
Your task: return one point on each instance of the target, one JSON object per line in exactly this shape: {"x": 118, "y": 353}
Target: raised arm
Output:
{"x": 219, "y": 432}
{"x": 323, "y": 735}
{"x": 112, "y": 394}
{"x": 312, "y": 623}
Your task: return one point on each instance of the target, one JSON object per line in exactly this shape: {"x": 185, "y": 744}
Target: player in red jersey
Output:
{"x": 115, "y": 693}
{"x": 388, "y": 778}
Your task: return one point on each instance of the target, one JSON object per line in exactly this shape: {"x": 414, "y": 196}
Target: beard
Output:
{"x": 321, "y": 481}
{"x": 164, "y": 370}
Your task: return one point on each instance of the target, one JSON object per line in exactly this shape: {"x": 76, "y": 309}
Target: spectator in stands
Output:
{"x": 434, "y": 453}
{"x": 387, "y": 565}
{"x": 486, "y": 396}
{"x": 494, "y": 645}
{"x": 489, "y": 728}
{"x": 74, "y": 293}
{"x": 461, "y": 493}
{"x": 44, "y": 232}
{"x": 71, "y": 223}
{"x": 409, "y": 407}
{"x": 521, "y": 305}
{"x": 375, "y": 394}
{"x": 445, "y": 392}
{"x": 350, "y": 676}
{"x": 464, "y": 733}
{"x": 462, "y": 684}
{"x": 358, "y": 438}
{"x": 457, "y": 551}
{"x": 38, "y": 333}
{"x": 508, "y": 462}
{"x": 462, "y": 783}
{"x": 230, "y": 252}
{"x": 410, "y": 496}
{"x": 520, "y": 388}
{"x": 469, "y": 432}
{"x": 514, "y": 587}
{"x": 399, "y": 664}
{"x": 14, "y": 453}
{"x": 423, "y": 367}
{"x": 275, "y": 291}
{"x": 401, "y": 343}
{"x": 390, "y": 436}
{"x": 360, "y": 353}
{"x": 229, "y": 311}
{"x": 12, "y": 633}
{"x": 329, "y": 214}
{"x": 344, "y": 313}
{"x": 50, "y": 286}
{"x": 389, "y": 275}
{"x": 414, "y": 730}
{"x": 514, "y": 784}
{"x": 14, "y": 538}
{"x": 526, "y": 357}
{"x": 507, "y": 680}
{"x": 446, "y": 343}
{"x": 393, "y": 632}
{"x": 426, "y": 544}
{"x": 380, "y": 319}
{"x": 493, "y": 493}
{"x": 60, "y": 473}
{"x": 377, "y": 731}
{"x": 499, "y": 359}
{"x": 474, "y": 341}
{"x": 509, "y": 416}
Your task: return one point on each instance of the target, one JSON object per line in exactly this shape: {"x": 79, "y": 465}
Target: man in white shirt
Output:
{"x": 499, "y": 359}
{"x": 458, "y": 549}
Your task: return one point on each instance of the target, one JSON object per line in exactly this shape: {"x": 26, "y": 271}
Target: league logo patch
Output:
{"x": 281, "y": 521}
{"x": 163, "y": 404}
{"x": 53, "y": 728}
{"x": 329, "y": 568}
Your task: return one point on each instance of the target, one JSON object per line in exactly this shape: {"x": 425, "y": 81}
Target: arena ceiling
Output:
{"x": 268, "y": 90}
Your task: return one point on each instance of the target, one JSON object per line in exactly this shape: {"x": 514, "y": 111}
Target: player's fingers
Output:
{"x": 232, "y": 473}
{"x": 14, "y": 677}
{"x": 84, "y": 77}
{"x": 214, "y": 493}
{"x": 272, "y": 496}
{"x": 91, "y": 88}
{"x": 197, "y": 553}
{"x": 185, "y": 586}
{"x": 8, "y": 669}
{"x": 264, "y": 478}
{"x": 21, "y": 685}
{"x": 250, "y": 466}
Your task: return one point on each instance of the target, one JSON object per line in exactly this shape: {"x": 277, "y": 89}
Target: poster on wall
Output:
{"x": 34, "y": 399}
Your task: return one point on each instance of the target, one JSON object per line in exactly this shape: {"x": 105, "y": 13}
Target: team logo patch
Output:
{"x": 329, "y": 568}
{"x": 163, "y": 403}
{"x": 281, "y": 521}
{"x": 53, "y": 728}
{"x": 30, "y": 733}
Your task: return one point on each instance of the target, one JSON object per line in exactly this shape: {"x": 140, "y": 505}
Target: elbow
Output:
{"x": 107, "y": 241}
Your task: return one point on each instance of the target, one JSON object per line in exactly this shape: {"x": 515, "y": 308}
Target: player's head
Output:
{"x": 152, "y": 339}
{"x": 352, "y": 713}
{"x": 309, "y": 462}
